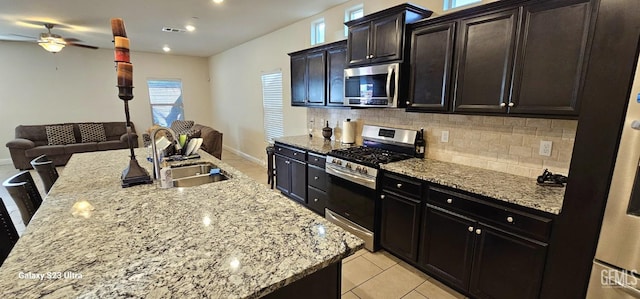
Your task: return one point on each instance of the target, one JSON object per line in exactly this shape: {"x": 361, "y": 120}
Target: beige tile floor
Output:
{"x": 365, "y": 275}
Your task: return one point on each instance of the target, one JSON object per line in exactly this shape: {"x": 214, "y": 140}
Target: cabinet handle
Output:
{"x": 449, "y": 200}
{"x": 470, "y": 228}
{"x": 408, "y": 103}
{"x": 478, "y": 231}
{"x": 399, "y": 185}
{"x": 511, "y": 104}
{"x": 315, "y": 200}
{"x": 510, "y": 219}
{"x": 503, "y": 104}
{"x": 315, "y": 177}
{"x": 287, "y": 162}
{"x": 295, "y": 154}
{"x": 315, "y": 159}
{"x": 382, "y": 196}
{"x": 279, "y": 149}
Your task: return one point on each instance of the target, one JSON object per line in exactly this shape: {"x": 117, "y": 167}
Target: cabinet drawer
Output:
{"x": 317, "y": 200}
{"x": 316, "y": 160}
{"x": 316, "y": 177}
{"x": 290, "y": 152}
{"x": 520, "y": 222}
{"x": 401, "y": 185}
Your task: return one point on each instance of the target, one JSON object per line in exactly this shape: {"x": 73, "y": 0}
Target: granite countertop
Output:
{"x": 316, "y": 144}
{"x": 510, "y": 188}
{"x": 229, "y": 239}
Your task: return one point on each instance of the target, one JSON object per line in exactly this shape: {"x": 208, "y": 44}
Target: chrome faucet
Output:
{"x": 156, "y": 159}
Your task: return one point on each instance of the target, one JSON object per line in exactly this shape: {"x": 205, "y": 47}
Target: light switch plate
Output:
{"x": 445, "y": 136}
{"x": 545, "y": 148}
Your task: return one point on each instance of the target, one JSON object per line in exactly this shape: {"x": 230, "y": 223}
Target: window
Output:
{"x": 165, "y": 97}
{"x": 451, "y": 4}
{"x": 317, "y": 32}
{"x": 272, "y": 104}
{"x": 352, "y": 13}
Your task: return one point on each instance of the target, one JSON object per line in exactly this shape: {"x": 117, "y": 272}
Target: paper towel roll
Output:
{"x": 349, "y": 132}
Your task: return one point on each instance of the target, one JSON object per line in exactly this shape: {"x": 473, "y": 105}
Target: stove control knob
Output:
{"x": 364, "y": 170}
{"x": 348, "y": 165}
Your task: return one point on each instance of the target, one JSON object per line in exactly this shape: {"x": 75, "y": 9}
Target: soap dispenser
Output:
{"x": 166, "y": 179}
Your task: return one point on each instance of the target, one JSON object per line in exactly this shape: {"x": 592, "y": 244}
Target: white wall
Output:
{"x": 78, "y": 85}
{"x": 235, "y": 76}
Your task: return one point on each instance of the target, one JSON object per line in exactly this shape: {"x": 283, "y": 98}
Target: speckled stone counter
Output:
{"x": 315, "y": 144}
{"x": 229, "y": 239}
{"x": 510, "y": 188}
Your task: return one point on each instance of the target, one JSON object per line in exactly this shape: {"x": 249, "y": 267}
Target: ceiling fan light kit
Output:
{"x": 51, "y": 42}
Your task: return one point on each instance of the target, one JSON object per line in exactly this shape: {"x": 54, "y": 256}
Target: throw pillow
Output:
{"x": 92, "y": 132}
{"x": 182, "y": 126}
{"x": 60, "y": 135}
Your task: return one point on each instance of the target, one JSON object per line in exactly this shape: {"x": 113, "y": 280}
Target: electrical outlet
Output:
{"x": 445, "y": 136}
{"x": 545, "y": 148}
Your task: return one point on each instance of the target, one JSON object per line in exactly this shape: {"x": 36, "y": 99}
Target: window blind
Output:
{"x": 272, "y": 104}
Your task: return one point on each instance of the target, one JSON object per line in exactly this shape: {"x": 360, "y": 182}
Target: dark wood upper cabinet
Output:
{"x": 431, "y": 67}
{"x": 298, "y": 80}
{"x": 380, "y": 37}
{"x": 486, "y": 48}
{"x": 336, "y": 60}
{"x": 317, "y": 75}
{"x": 551, "y": 58}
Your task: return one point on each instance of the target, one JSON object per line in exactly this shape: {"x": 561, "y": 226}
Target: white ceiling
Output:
{"x": 218, "y": 26}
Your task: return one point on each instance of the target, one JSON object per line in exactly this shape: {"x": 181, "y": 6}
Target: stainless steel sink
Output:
{"x": 195, "y": 175}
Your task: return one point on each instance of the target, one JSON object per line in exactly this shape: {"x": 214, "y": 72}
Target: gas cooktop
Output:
{"x": 368, "y": 155}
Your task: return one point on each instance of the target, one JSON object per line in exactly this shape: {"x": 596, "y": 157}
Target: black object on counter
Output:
{"x": 327, "y": 132}
{"x": 553, "y": 180}
{"x": 420, "y": 144}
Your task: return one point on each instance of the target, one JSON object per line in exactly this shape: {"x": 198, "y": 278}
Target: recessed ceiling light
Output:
{"x": 217, "y": 1}
{"x": 166, "y": 49}
{"x": 190, "y": 28}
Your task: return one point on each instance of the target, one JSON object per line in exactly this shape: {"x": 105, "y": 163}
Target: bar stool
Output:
{"x": 271, "y": 172}
{"x": 8, "y": 234}
{"x": 46, "y": 170}
{"x": 24, "y": 193}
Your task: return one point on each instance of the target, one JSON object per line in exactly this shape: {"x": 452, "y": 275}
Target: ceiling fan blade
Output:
{"x": 71, "y": 40}
{"x": 82, "y": 46}
{"x": 17, "y": 37}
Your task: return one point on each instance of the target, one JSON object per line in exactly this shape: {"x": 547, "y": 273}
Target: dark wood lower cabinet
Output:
{"x": 291, "y": 177}
{"x": 484, "y": 261}
{"x": 506, "y": 265}
{"x": 447, "y": 245}
{"x": 400, "y": 225}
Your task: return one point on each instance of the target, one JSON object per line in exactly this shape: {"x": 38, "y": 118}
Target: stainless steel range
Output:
{"x": 353, "y": 200}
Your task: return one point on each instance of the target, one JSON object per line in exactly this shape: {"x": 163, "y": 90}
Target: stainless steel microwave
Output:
{"x": 372, "y": 86}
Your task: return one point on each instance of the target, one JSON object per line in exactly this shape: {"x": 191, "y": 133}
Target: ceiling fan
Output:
{"x": 54, "y": 42}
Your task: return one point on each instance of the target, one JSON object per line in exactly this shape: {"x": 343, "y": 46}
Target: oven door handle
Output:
{"x": 371, "y": 184}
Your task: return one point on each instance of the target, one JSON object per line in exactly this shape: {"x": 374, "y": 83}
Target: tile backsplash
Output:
{"x": 505, "y": 144}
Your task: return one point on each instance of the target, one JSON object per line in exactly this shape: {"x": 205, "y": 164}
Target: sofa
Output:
{"x": 211, "y": 138}
{"x": 60, "y": 141}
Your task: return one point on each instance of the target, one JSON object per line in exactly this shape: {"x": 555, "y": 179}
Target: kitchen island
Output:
{"x": 229, "y": 239}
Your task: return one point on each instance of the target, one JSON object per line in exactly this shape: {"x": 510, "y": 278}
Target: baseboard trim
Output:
{"x": 6, "y": 162}
{"x": 245, "y": 156}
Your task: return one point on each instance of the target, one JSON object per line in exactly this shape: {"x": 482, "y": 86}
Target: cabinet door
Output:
{"x": 485, "y": 54}
{"x": 386, "y": 38}
{"x": 298, "y": 80}
{"x": 506, "y": 265}
{"x": 316, "y": 78}
{"x": 283, "y": 175}
{"x": 400, "y": 225}
{"x": 431, "y": 58}
{"x": 298, "y": 181}
{"x": 551, "y": 58}
{"x": 358, "y": 44}
{"x": 446, "y": 246}
{"x": 336, "y": 61}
